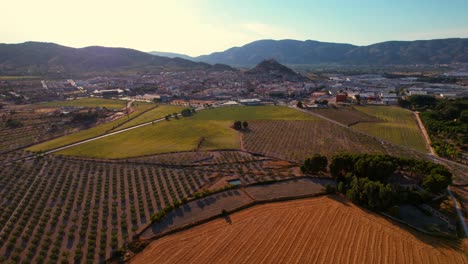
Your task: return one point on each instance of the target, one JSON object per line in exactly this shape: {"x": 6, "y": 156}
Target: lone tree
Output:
{"x": 314, "y": 164}
{"x": 299, "y": 105}
{"x": 187, "y": 112}
{"x": 237, "y": 125}
{"x": 245, "y": 125}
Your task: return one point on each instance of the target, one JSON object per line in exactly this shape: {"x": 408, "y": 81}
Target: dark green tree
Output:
{"x": 314, "y": 164}
{"x": 237, "y": 125}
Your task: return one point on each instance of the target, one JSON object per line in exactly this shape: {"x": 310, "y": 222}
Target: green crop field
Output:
{"x": 156, "y": 113}
{"x": 179, "y": 135}
{"x": 253, "y": 113}
{"x": 398, "y": 126}
{"x": 88, "y": 102}
{"x": 92, "y": 132}
{"x": 14, "y": 78}
{"x": 165, "y": 136}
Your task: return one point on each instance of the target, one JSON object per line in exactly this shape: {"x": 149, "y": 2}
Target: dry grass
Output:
{"x": 317, "y": 230}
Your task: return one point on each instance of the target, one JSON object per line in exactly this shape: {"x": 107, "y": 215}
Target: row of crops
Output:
{"x": 62, "y": 210}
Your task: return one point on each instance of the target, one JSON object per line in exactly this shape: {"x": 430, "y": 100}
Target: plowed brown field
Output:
{"x": 316, "y": 230}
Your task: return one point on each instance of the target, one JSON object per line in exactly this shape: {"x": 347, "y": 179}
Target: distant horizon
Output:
{"x": 168, "y": 51}
{"x": 199, "y": 27}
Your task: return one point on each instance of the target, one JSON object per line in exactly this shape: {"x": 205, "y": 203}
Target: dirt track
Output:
{"x": 316, "y": 230}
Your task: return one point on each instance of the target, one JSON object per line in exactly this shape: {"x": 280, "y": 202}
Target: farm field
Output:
{"x": 252, "y": 113}
{"x": 198, "y": 210}
{"x": 398, "y": 126}
{"x": 296, "y": 140}
{"x": 35, "y": 127}
{"x": 165, "y": 136}
{"x": 204, "y": 208}
{"x": 346, "y": 115}
{"x": 159, "y": 112}
{"x": 65, "y": 210}
{"x": 10, "y": 78}
{"x": 197, "y": 157}
{"x": 210, "y": 127}
{"x": 315, "y": 230}
{"x": 91, "y": 132}
{"x": 88, "y": 102}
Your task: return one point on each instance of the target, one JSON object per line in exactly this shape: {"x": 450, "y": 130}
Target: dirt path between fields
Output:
{"x": 426, "y": 135}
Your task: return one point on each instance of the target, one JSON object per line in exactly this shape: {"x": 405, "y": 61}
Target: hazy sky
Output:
{"x": 198, "y": 27}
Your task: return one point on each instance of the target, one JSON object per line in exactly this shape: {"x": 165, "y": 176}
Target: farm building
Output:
{"x": 250, "y": 101}
{"x": 341, "y": 97}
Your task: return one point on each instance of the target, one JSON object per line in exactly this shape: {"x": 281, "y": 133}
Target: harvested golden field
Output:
{"x": 316, "y": 230}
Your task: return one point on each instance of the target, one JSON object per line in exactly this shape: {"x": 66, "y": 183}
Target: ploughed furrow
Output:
{"x": 314, "y": 230}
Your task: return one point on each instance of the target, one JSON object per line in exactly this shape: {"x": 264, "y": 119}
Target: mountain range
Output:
{"x": 172, "y": 55}
{"x": 46, "y": 58}
{"x": 309, "y": 52}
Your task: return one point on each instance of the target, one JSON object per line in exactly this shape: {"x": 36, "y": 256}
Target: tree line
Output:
{"x": 367, "y": 179}
{"x": 185, "y": 113}
{"x": 446, "y": 121}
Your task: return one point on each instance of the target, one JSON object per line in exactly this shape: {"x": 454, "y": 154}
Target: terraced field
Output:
{"x": 316, "y": 230}
{"x": 398, "y": 126}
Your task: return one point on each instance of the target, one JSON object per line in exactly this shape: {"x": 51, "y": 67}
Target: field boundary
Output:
{"x": 130, "y": 119}
{"x": 425, "y": 154}
{"x": 165, "y": 165}
{"x": 242, "y": 188}
{"x": 139, "y": 244}
{"x": 425, "y": 134}
{"x": 415, "y": 227}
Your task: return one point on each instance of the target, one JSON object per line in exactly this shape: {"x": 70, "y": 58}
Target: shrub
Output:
{"x": 329, "y": 188}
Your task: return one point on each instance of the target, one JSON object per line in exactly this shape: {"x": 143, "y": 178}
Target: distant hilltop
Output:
{"x": 39, "y": 58}
{"x": 309, "y": 52}
{"x": 273, "y": 69}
